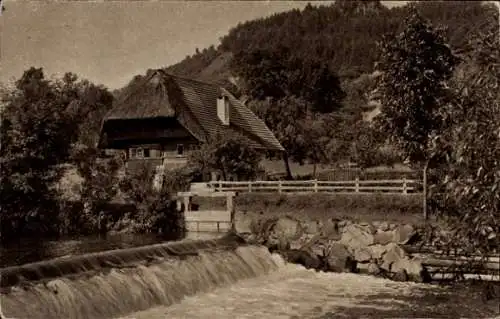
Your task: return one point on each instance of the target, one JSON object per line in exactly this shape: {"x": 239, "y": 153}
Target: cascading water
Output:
{"x": 116, "y": 283}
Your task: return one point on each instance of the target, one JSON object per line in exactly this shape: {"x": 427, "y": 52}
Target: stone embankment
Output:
{"x": 376, "y": 248}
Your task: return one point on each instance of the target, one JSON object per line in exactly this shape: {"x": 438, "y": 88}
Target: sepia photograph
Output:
{"x": 266, "y": 159}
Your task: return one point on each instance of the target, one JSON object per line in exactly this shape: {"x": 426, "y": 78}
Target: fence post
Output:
{"x": 230, "y": 209}
{"x": 187, "y": 202}
{"x": 249, "y": 187}
{"x": 357, "y": 184}
{"x": 315, "y": 185}
{"x": 279, "y": 187}
{"x": 424, "y": 191}
{"x": 405, "y": 190}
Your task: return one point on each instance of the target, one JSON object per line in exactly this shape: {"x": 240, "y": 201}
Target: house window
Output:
{"x": 180, "y": 149}
{"x": 139, "y": 152}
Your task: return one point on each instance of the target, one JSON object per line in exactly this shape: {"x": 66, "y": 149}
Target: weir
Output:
{"x": 119, "y": 282}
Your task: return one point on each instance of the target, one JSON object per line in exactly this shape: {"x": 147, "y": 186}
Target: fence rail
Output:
{"x": 404, "y": 186}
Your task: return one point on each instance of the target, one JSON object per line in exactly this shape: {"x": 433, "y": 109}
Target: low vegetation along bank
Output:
{"x": 366, "y": 207}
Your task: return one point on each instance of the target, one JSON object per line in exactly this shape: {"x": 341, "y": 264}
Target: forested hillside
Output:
{"x": 344, "y": 34}
{"x": 319, "y": 65}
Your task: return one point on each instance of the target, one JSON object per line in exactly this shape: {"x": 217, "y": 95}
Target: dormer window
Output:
{"x": 223, "y": 109}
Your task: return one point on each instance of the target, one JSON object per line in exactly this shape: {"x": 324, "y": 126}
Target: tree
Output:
{"x": 229, "y": 155}
{"x": 416, "y": 66}
{"x": 471, "y": 145}
{"x": 279, "y": 72}
{"x": 37, "y": 132}
{"x": 369, "y": 147}
{"x": 155, "y": 209}
{"x": 100, "y": 184}
{"x": 40, "y": 127}
{"x": 289, "y": 118}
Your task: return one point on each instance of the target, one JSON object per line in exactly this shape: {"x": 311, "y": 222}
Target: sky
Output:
{"x": 111, "y": 42}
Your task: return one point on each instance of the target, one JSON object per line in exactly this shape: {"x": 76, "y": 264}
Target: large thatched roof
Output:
{"x": 194, "y": 105}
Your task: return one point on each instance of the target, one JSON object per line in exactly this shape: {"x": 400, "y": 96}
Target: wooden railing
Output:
{"x": 403, "y": 186}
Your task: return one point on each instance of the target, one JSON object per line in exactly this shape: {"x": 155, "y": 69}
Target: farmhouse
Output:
{"x": 163, "y": 117}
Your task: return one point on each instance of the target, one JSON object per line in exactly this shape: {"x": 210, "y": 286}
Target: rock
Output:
{"x": 251, "y": 239}
{"x": 339, "y": 259}
{"x": 288, "y": 228}
{"x": 362, "y": 254}
{"x": 278, "y": 233}
{"x": 356, "y": 236}
{"x": 243, "y": 224}
{"x": 330, "y": 230}
{"x": 260, "y": 226}
{"x": 403, "y": 234}
{"x": 378, "y": 251}
{"x": 413, "y": 268}
{"x": 283, "y": 244}
{"x": 400, "y": 276}
{"x": 344, "y": 223}
{"x": 383, "y": 237}
{"x": 311, "y": 226}
{"x": 374, "y": 269}
{"x": 313, "y": 240}
{"x": 301, "y": 242}
{"x": 302, "y": 257}
{"x": 319, "y": 249}
{"x": 384, "y": 226}
{"x": 399, "y": 264}
{"x": 393, "y": 254}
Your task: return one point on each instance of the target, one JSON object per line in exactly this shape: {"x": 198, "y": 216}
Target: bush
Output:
{"x": 156, "y": 211}
{"x": 229, "y": 155}
{"x": 180, "y": 179}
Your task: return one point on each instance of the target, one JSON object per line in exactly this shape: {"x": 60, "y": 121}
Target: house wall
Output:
{"x": 122, "y": 134}
{"x": 164, "y": 154}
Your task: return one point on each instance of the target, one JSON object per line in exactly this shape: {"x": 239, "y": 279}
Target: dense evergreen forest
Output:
{"x": 343, "y": 34}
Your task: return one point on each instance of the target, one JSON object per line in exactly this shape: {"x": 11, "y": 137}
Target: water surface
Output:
{"x": 293, "y": 292}
{"x": 33, "y": 250}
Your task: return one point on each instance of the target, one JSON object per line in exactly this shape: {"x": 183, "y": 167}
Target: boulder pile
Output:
{"x": 339, "y": 245}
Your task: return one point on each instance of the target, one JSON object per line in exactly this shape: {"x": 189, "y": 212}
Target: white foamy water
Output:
{"x": 294, "y": 292}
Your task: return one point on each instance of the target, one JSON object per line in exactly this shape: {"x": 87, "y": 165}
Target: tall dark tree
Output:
{"x": 471, "y": 146}
{"x": 37, "y": 132}
{"x": 415, "y": 66}
{"x": 40, "y": 127}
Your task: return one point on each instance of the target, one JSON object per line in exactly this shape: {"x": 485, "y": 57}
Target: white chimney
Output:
{"x": 223, "y": 109}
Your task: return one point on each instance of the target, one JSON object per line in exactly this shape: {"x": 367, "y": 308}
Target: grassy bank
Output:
{"x": 362, "y": 207}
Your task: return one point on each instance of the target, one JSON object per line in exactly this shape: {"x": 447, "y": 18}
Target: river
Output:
{"x": 33, "y": 250}
{"x": 246, "y": 283}
{"x": 293, "y": 292}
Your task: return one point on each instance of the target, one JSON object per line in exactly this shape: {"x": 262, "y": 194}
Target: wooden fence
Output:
{"x": 400, "y": 186}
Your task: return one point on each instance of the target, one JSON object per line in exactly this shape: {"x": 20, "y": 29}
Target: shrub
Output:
{"x": 156, "y": 211}
{"x": 180, "y": 179}
{"x": 231, "y": 156}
